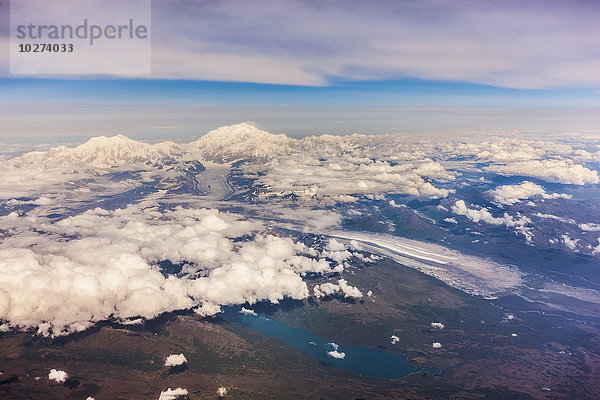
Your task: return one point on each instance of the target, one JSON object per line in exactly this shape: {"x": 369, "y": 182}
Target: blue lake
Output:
{"x": 359, "y": 360}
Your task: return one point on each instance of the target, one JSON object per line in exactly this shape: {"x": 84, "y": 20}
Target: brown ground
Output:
{"x": 482, "y": 359}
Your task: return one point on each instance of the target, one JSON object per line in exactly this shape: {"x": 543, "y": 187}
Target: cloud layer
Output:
{"x": 562, "y": 171}
{"x": 152, "y": 255}
{"x": 511, "y": 194}
{"x": 62, "y": 277}
{"x": 507, "y": 44}
{"x": 510, "y": 44}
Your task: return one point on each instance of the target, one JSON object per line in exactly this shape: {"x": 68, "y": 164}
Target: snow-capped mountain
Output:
{"x": 105, "y": 151}
{"x": 225, "y": 144}
{"x": 242, "y": 141}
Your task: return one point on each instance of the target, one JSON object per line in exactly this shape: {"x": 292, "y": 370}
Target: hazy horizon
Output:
{"x": 302, "y": 67}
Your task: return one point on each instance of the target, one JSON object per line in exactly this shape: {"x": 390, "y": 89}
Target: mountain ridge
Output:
{"x": 103, "y": 151}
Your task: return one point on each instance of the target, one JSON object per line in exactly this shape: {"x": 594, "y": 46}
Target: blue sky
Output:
{"x": 303, "y": 67}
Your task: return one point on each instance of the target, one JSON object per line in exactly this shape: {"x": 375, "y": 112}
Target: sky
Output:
{"x": 312, "y": 67}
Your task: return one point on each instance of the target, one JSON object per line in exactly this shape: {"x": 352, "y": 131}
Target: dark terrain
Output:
{"x": 553, "y": 357}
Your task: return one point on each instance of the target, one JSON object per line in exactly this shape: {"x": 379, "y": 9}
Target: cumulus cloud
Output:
{"x": 395, "y": 339}
{"x": 569, "y": 242}
{"x": 589, "y": 227}
{"x": 57, "y": 375}
{"x": 437, "y": 325}
{"x": 336, "y": 251}
{"x": 436, "y": 345}
{"x": 63, "y": 277}
{"x": 349, "y": 291}
{"x": 328, "y": 289}
{"x": 334, "y": 352}
{"x": 174, "y": 360}
{"x": 552, "y": 170}
{"x": 482, "y": 214}
{"x": 339, "y": 170}
{"x": 334, "y": 245}
{"x": 172, "y": 394}
{"x": 325, "y": 289}
{"x": 247, "y": 311}
{"x": 511, "y": 194}
{"x": 221, "y": 391}
{"x": 477, "y": 215}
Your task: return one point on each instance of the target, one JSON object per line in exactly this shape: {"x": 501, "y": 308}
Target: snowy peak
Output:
{"x": 243, "y": 141}
{"x": 102, "y": 151}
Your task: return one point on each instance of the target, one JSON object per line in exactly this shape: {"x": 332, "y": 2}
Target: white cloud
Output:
{"x": 476, "y": 215}
{"x": 552, "y": 170}
{"x": 82, "y": 172}
{"x": 589, "y": 227}
{"x": 103, "y": 264}
{"x": 174, "y": 360}
{"x": 221, "y": 391}
{"x": 325, "y": 289}
{"x": 336, "y": 251}
{"x": 511, "y": 194}
{"x": 334, "y": 245}
{"x": 247, "y": 311}
{"x": 395, "y": 339}
{"x": 492, "y": 43}
{"x": 436, "y": 345}
{"x": 329, "y": 170}
{"x": 569, "y": 242}
{"x": 349, "y": 291}
{"x": 40, "y": 201}
{"x": 108, "y": 267}
{"x": 58, "y": 376}
{"x": 328, "y": 288}
{"x": 555, "y": 217}
{"x": 30, "y": 180}
{"x": 172, "y": 394}
{"x": 437, "y": 325}
{"x": 335, "y": 353}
